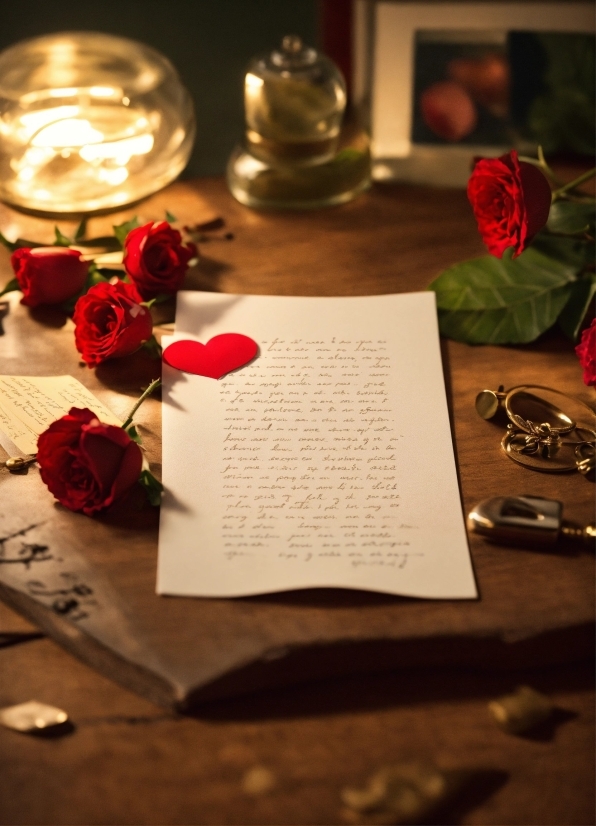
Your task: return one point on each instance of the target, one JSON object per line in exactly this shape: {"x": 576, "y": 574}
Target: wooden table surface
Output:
{"x": 129, "y": 761}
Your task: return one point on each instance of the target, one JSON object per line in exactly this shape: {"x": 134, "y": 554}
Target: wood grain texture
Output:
{"x": 129, "y": 762}
{"x": 534, "y": 607}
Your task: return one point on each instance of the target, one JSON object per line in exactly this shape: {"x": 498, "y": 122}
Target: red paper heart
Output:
{"x": 219, "y": 356}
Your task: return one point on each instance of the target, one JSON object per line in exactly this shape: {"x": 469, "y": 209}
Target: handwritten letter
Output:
{"x": 317, "y": 464}
{"x": 28, "y": 404}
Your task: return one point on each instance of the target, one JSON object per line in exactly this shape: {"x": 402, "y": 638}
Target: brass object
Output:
{"x": 585, "y": 455}
{"x": 489, "y": 402}
{"x": 32, "y": 717}
{"x": 521, "y": 711}
{"x": 528, "y": 521}
{"x": 16, "y": 463}
{"x": 549, "y": 430}
{"x": 522, "y": 405}
{"x": 528, "y": 411}
{"x": 547, "y": 452}
{"x": 407, "y": 792}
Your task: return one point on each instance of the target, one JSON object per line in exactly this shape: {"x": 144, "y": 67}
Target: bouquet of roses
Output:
{"x": 111, "y": 305}
{"x": 87, "y": 464}
{"x": 540, "y": 271}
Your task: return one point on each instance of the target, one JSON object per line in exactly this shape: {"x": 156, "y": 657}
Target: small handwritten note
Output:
{"x": 325, "y": 462}
{"x": 29, "y": 404}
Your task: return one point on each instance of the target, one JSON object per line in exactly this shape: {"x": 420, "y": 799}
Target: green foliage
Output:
{"x": 61, "y": 240}
{"x": 499, "y": 301}
{"x": 152, "y": 348}
{"x": 122, "y": 230}
{"x": 134, "y": 434}
{"x": 20, "y": 243}
{"x": 170, "y": 218}
{"x": 81, "y": 230}
{"x": 563, "y": 117}
{"x": 12, "y": 285}
{"x": 153, "y": 488}
{"x": 571, "y": 218}
{"x": 580, "y": 299}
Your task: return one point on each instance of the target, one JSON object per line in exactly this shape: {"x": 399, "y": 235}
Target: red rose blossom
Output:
{"x": 48, "y": 275}
{"x": 110, "y": 322}
{"x": 586, "y": 353}
{"x": 155, "y": 258}
{"x": 511, "y": 201}
{"x": 87, "y": 465}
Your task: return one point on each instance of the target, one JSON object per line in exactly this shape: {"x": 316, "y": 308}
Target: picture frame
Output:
{"x": 385, "y": 42}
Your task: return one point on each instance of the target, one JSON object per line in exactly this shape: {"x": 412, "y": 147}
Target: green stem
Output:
{"x": 573, "y": 184}
{"x": 153, "y": 386}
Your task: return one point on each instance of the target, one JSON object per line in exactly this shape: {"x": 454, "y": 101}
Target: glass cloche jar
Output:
{"x": 297, "y": 151}
{"x": 89, "y": 122}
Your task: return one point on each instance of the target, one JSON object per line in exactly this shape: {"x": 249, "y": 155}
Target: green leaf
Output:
{"x": 13, "y": 284}
{"x": 110, "y": 243}
{"x": 10, "y": 245}
{"x": 494, "y": 301}
{"x": 153, "y": 488}
{"x": 152, "y": 348}
{"x": 81, "y": 230}
{"x": 575, "y": 252}
{"x": 134, "y": 435}
{"x": 170, "y": 218}
{"x": 582, "y": 295}
{"x": 18, "y": 244}
{"x": 122, "y": 230}
{"x": 61, "y": 240}
{"x": 570, "y": 218}
{"x": 161, "y": 298}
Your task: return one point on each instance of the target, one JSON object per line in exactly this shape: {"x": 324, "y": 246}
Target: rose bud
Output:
{"x": 511, "y": 201}
{"x": 110, "y": 322}
{"x": 87, "y": 465}
{"x": 448, "y": 110}
{"x": 155, "y": 259}
{"x": 586, "y": 353}
{"x": 48, "y": 275}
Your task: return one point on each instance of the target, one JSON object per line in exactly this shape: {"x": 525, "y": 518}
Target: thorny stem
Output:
{"x": 153, "y": 386}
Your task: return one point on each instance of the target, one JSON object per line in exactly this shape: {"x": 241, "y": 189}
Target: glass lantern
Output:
{"x": 298, "y": 151}
{"x": 89, "y": 122}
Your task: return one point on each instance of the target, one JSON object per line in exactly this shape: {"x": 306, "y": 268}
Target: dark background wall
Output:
{"x": 210, "y": 42}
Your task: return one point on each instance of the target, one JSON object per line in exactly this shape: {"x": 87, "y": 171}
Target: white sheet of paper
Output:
{"x": 29, "y": 404}
{"x": 326, "y": 462}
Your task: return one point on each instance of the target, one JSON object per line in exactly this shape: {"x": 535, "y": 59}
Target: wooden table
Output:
{"x": 129, "y": 761}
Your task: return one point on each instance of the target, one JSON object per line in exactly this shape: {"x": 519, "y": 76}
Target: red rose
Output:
{"x": 87, "y": 465}
{"x": 48, "y": 275}
{"x": 511, "y": 201}
{"x": 155, "y": 258}
{"x": 110, "y": 322}
{"x": 586, "y": 353}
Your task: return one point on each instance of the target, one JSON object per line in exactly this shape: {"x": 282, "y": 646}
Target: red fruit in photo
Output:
{"x": 448, "y": 110}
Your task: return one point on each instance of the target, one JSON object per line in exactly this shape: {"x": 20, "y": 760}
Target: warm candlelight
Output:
{"x": 90, "y": 122}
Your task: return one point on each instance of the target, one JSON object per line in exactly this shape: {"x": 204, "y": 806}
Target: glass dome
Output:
{"x": 89, "y": 122}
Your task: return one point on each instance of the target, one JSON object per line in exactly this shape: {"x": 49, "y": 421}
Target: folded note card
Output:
{"x": 325, "y": 462}
{"x": 29, "y": 404}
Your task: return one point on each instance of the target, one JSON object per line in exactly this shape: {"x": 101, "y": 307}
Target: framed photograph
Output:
{"x": 443, "y": 82}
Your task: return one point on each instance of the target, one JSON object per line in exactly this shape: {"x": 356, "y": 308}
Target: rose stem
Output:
{"x": 573, "y": 184}
{"x": 153, "y": 386}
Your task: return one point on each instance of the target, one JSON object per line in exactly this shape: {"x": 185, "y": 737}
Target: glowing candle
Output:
{"x": 106, "y": 123}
